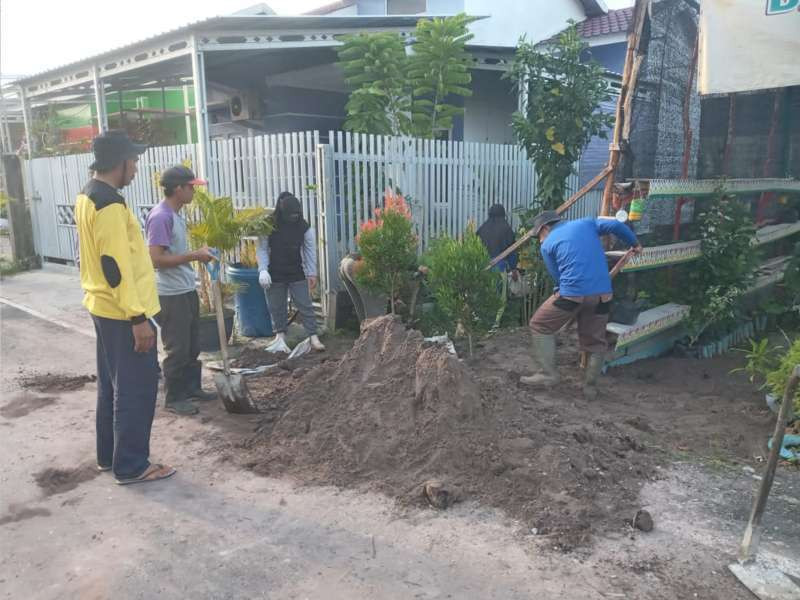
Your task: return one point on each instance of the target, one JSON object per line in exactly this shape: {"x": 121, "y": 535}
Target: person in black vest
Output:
{"x": 497, "y": 235}
{"x": 287, "y": 263}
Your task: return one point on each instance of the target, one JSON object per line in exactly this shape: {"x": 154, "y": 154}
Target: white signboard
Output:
{"x": 748, "y": 45}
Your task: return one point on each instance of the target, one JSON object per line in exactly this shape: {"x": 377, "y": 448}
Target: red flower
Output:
{"x": 396, "y": 203}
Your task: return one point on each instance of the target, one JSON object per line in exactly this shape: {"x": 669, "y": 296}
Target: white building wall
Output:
{"x": 487, "y": 113}
{"x": 511, "y": 19}
{"x": 507, "y": 21}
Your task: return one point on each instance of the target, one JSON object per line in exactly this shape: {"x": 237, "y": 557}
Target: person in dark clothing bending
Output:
{"x": 573, "y": 254}
{"x": 287, "y": 263}
{"x": 497, "y": 235}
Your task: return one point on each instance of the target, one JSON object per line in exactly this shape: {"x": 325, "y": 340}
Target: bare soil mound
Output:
{"x": 395, "y": 413}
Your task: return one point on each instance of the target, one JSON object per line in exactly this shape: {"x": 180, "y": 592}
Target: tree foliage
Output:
{"x": 394, "y": 93}
{"x": 374, "y": 67}
{"x": 439, "y": 68}
{"x": 560, "y": 115}
{"x": 388, "y": 248}
{"x": 465, "y": 291}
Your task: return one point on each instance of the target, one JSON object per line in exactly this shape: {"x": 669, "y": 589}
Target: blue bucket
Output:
{"x": 251, "y": 304}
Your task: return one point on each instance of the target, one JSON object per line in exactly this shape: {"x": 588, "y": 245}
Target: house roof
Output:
{"x": 329, "y": 8}
{"x": 256, "y": 23}
{"x": 614, "y": 21}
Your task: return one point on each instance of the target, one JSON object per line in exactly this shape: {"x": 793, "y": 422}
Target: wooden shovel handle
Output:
{"x": 621, "y": 263}
{"x": 752, "y": 534}
{"x": 223, "y": 335}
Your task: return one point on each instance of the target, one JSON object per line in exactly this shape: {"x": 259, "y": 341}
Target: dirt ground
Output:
{"x": 680, "y": 438}
{"x": 393, "y": 413}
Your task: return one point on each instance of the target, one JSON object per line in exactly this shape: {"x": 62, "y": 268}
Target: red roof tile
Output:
{"x": 615, "y": 21}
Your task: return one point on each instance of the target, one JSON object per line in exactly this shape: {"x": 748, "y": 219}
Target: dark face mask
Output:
{"x": 293, "y": 218}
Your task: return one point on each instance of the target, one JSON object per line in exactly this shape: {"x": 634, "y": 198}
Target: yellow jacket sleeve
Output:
{"x": 114, "y": 247}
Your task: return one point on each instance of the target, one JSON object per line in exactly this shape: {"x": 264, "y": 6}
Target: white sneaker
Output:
{"x": 278, "y": 344}
{"x": 316, "y": 344}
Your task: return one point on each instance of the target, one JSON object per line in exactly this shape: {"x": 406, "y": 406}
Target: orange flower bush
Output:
{"x": 388, "y": 248}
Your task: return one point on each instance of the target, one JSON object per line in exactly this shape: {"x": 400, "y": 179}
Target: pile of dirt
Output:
{"x": 50, "y": 383}
{"x": 57, "y": 481}
{"x": 395, "y": 413}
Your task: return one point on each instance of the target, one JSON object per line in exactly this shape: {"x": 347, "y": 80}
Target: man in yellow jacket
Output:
{"x": 118, "y": 279}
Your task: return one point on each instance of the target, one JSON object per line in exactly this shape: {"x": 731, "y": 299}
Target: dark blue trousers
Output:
{"x": 127, "y": 386}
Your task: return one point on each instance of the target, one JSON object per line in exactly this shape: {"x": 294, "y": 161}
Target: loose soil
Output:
{"x": 49, "y": 383}
{"x": 395, "y": 413}
{"x": 57, "y": 481}
{"x": 251, "y": 358}
{"x": 23, "y": 404}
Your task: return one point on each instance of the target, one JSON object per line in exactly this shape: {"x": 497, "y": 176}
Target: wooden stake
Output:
{"x": 630, "y": 75}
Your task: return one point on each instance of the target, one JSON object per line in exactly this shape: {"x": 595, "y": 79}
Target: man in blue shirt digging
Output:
{"x": 574, "y": 256}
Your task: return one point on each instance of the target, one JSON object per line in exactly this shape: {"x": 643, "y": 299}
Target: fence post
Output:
{"x": 23, "y": 249}
{"x": 326, "y": 232}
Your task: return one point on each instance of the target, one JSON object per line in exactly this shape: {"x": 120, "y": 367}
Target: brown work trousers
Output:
{"x": 591, "y": 313}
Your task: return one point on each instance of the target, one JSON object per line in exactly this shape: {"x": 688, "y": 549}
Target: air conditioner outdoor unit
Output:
{"x": 245, "y": 106}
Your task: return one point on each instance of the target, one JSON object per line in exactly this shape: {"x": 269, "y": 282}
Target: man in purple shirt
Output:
{"x": 180, "y": 307}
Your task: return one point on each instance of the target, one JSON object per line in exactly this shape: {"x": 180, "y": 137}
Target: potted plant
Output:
{"x": 215, "y": 223}
{"x": 251, "y": 305}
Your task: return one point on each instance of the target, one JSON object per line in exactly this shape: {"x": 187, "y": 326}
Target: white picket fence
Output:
{"x": 448, "y": 184}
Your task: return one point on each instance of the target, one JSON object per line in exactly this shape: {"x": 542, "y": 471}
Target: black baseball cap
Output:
{"x": 180, "y": 175}
{"x": 112, "y": 148}
{"x": 547, "y": 217}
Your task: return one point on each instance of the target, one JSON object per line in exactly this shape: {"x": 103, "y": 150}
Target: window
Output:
{"x": 405, "y": 7}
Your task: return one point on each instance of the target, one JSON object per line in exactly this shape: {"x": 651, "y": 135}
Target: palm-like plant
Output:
{"x": 439, "y": 69}
{"x": 394, "y": 93}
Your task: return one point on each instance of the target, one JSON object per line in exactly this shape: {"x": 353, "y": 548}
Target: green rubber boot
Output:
{"x": 594, "y": 367}
{"x": 544, "y": 356}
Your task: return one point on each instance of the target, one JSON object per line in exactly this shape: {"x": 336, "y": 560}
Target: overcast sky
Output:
{"x": 38, "y": 35}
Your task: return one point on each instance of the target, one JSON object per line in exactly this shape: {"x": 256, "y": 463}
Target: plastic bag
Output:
{"x": 445, "y": 341}
{"x": 517, "y": 288}
{"x": 302, "y": 348}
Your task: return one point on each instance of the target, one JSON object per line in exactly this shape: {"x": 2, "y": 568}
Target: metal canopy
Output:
{"x": 145, "y": 60}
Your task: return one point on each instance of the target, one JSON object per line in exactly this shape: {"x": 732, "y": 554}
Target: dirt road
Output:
{"x": 216, "y": 531}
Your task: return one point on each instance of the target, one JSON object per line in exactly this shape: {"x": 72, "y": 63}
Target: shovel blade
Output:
{"x": 235, "y": 395}
{"x": 766, "y": 582}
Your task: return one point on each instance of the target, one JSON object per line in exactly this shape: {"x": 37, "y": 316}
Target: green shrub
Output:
{"x": 777, "y": 378}
{"x": 465, "y": 292}
{"x": 720, "y": 278}
{"x": 388, "y": 248}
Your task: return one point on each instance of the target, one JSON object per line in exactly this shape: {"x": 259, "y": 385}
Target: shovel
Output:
{"x": 230, "y": 387}
{"x": 766, "y": 581}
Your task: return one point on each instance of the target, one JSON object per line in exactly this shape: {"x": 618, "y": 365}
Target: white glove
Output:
{"x": 264, "y": 280}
